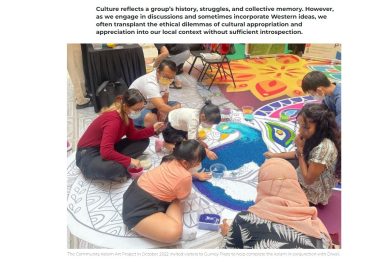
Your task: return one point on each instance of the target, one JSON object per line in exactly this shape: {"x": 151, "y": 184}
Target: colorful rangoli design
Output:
{"x": 333, "y": 72}
{"x": 94, "y": 207}
{"x": 267, "y": 78}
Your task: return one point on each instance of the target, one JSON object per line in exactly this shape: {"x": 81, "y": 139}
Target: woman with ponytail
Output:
{"x": 185, "y": 122}
{"x": 102, "y": 153}
{"x": 318, "y": 152}
{"x": 151, "y": 205}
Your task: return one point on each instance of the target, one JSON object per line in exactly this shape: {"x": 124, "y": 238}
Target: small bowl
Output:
{"x": 135, "y": 172}
{"x": 247, "y": 110}
{"x": 248, "y": 117}
{"x": 218, "y": 170}
{"x": 284, "y": 117}
{"x": 202, "y": 134}
{"x": 145, "y": 161}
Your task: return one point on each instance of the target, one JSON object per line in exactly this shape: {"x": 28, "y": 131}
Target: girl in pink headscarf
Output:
{"x": 281, "y": 217}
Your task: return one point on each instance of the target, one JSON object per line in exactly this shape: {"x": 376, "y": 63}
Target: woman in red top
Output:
{"x": 102, "y": 153}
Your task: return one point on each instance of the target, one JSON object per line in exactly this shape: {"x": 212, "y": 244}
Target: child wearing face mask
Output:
{"x": 186, "y": 122}
{"x": 102, "y": 152}
{"x": 317, "y": 84}
{"x": 151, "y": 205}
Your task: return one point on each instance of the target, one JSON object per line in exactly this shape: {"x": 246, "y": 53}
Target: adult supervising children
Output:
{"x": 155, "y": 89}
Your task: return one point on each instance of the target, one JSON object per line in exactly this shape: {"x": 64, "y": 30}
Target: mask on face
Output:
{"x": 134, "y": 114}
{"x": 319, "y": 97}
{"x": 164, "y": 82}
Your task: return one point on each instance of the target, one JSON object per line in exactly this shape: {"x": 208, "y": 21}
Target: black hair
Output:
{"x": 313, "y": 80}
{"x": 211, "y": 112}
{"x": 172, "y": 66}
{"x": 132, "y": 97}
{"x": 190, "y": 150}
{"x": 172, "y": 136}
{"x": 326, "y": 127}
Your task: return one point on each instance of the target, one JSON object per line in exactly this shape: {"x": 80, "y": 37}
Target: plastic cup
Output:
{"x": 202, "y": 134}
{"x": 217, "y": 170}
{"x": 135, "y": 172}
{"x": 247, "y": 110}
{"x": 284, "y": 118}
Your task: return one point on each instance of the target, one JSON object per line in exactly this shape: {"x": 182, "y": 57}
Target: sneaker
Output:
{"x": 88, "y": 104}
{"x": 175, "y": 86}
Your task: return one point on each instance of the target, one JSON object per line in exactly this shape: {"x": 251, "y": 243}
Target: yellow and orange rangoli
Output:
{"x": 267, "y": 78}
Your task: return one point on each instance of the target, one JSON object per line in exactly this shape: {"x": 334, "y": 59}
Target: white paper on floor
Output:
{"x": 94, "y": 207}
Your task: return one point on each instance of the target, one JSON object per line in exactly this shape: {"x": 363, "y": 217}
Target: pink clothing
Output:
{"x": 167, "y": 182}
{"x": 281, "y": 199}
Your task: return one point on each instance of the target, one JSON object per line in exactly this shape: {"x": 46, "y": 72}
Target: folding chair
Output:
{"x": 195, "y": 51}
{"x": 222, "y": 50}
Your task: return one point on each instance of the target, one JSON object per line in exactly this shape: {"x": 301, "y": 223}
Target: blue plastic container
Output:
{"x": 209, "y": 222}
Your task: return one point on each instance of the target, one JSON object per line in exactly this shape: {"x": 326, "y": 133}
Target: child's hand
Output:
{"x": 178, "y": 105}
{"x": 269, "y": 154}
{"x": 224, "y": 228}
{"x": 203, "y": 176}
{"x": 211, "y": 155}
{"x": 300, "y": 142}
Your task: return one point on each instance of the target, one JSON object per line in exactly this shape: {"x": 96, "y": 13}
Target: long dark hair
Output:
{"x": 190, "y": 150}
{"x": 211, "y": 112}
{"x": 326, "y": 127}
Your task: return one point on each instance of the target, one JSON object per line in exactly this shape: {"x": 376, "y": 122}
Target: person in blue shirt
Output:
{"x": 316, "y": 84}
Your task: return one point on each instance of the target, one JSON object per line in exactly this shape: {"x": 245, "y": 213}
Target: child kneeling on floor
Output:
{"x": 185, "y": 122}
{"x": 151, "y": 205}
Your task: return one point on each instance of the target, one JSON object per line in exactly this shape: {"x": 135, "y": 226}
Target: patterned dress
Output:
{"x": 320, "y": 191}
{"x": 250, "y": 231}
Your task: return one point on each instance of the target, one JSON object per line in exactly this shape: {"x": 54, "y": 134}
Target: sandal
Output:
{"x": 174, "y": 86}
